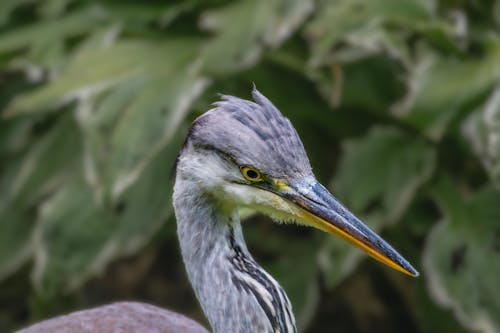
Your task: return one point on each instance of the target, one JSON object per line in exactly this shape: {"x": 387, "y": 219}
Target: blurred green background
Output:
{"x": 397, "y": 102}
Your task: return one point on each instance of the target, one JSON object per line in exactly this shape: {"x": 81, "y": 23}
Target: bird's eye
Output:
{"x": 251, "y": 174}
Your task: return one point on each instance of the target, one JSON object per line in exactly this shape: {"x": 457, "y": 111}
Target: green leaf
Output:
{"x": 25, "y": 181}
{"x": 462, "y": 257}
{"x": 95, "y": 69}
{"x": 386, "y": 167}
{"x": 149, "y": 85}
{"x": 362, "y": 86}
{"x": 118, "y": 146}
{"x": 70, "y": 235}
{"x": 145, "y": 13}
{"x": 52, "y": 30}
{"x": 482, "y": 130}
{"x": 41, "y": 168}
{"x": 433, "y": 318}
{"x": 51, "y": 9}
{"x": 77, "y": 235}
{"x": 440, "y": 87}
{"x": 6, "y": 7}
{"x": 366, "y": 27}
{"x": 16, "y": 228}
{"x": 14, "y": 135}
{"x": 244, "y": 28}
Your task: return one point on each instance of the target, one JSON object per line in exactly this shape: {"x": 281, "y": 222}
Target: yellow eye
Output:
{"x": 251, "y": 174}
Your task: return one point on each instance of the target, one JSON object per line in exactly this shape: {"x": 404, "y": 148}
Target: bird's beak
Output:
{"x": 319, "y": 208}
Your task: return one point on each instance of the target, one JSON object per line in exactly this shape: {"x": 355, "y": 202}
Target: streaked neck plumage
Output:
{"x": 236, "y": 294}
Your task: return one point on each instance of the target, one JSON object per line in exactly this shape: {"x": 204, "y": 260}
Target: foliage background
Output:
{"x": 397, "y": 102}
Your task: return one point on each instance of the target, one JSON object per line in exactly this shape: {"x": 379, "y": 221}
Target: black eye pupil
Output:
{"x": 252, "y": 174}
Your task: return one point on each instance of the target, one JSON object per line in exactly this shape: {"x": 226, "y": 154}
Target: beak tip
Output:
{"x": 415, "y": 274}
{"x": 409, "y": 270}
{"x": 322, "y": 210}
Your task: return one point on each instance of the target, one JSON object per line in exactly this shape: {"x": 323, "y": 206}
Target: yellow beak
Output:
{"x": 319, "y": 208}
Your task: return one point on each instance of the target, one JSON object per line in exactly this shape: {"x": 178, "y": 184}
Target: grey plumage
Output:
{"x": 121, "y": 317}
{"x": 212, "y": 182}
{"x": 253, "y": 133}
{"x": 236, "y": 294}
{"x": 217, "y": 260}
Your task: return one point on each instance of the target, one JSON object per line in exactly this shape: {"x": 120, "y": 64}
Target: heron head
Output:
{"x": 248, "y": 154}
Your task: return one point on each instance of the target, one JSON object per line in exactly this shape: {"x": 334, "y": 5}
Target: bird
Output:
{"x": 239, "y": 154}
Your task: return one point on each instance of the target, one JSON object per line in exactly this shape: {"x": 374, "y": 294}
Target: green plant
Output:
{"x": 398, "y": 103}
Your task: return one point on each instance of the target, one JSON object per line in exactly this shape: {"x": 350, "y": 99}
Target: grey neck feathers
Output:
{"x": 236, "y": 294}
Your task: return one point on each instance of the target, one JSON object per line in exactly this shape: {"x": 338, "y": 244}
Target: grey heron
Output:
{"x": 240, "y": 154}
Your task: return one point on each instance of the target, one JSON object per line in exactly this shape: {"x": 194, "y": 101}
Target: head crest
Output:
{"x": 253, "y": 133}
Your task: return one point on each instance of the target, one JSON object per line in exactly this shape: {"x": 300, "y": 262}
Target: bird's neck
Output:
{"x": 236, "y": 294}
